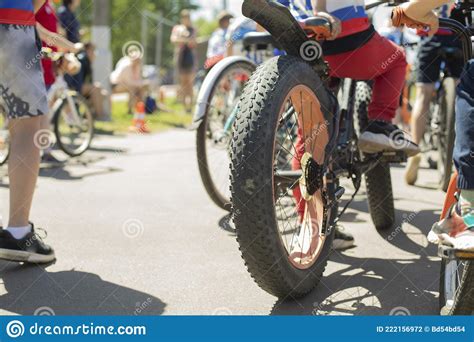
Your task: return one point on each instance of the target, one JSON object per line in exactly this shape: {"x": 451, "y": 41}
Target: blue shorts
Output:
{"x": 430, "y": 58}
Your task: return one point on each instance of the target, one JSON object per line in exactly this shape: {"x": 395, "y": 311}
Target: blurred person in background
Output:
{"x": 183, "y": 37}
{"x": 83, "y": 83}
{"x": 428, "y": 68}
{"x": 236, "y": 33}
{"x": 71, "y": 27}
{"x": 128, "y": 78}
{"x": 47, "y": 26}
{"x": 217, "y": 48}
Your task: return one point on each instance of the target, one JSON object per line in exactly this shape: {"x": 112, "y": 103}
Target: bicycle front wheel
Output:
{"x": 214, "y": 133}
{"x": 280, "y": 139}
{"x": 457, "y": 287}
{"x": 74, "y": 125}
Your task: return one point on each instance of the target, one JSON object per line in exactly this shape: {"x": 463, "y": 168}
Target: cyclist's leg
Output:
{"x": 427, "y": 74}
{"x": 458, "y": 228}
{"x": 385, "y": 63}
{"x": 424, "y": 95}
{"x": 24, "y": 93}
{"x": 464, "y": 146}
{"x": 379, "y": 60}
{"x": 23, "y": 167}
{"x": 23, "y": 90}
{"x": 389, "y": 80}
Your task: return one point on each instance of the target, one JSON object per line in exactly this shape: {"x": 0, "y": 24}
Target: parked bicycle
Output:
{"x": 71, "y": 118}
{"x": 216, "y": 110}
{"x": 292, "y": 111}
{"x": 457, "y": 267}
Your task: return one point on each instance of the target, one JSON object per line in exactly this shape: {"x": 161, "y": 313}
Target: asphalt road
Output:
{"x": 135, "y": 234}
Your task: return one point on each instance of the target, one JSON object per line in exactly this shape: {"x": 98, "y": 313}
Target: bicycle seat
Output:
{"x": 260, "y": 40}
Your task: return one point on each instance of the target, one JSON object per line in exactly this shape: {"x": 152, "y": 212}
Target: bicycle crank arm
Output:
{"x": 449, "y": 253}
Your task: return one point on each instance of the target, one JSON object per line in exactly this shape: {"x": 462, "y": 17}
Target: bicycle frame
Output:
{"x": 60, "y": 93}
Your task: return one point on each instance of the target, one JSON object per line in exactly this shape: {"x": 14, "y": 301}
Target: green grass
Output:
{"x": 173, "y": 117}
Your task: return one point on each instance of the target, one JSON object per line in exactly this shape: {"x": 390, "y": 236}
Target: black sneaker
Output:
{"x": 342, "y": 239}
{"x": 30, "y": 249}
{"x": 382, "y": 136}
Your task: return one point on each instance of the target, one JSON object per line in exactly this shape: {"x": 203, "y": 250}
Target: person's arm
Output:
{"x": 54, "y": 39}
{"x": 320, "y": 10}
{"x": 423, "y": 11}
{"x": 38, "y": 4}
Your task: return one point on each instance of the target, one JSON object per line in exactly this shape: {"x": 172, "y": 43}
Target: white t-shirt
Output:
{"x": 237, "y": 31}
{"x": 217, "y": 44}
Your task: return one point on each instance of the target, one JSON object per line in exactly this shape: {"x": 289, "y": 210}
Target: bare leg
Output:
{"x": 424, "y": 93}
{"x": 23, "y": 168}
{"x": 97, "y": 97}
{"x": 188, "y": 82}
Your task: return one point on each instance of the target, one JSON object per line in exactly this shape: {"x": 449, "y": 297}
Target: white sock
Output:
{"x": 19, "y": 232}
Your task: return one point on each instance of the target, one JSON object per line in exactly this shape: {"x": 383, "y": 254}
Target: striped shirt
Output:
{"x": 17, "y": 12}
{"x": 300, "y": 9}
{"x": 351, "y": 13}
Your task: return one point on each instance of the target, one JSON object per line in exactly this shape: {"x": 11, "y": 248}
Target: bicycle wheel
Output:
{"x": 446, "y": 136}
{"x": 456, "y": 287}
{"x": 214, "y": 133}
{"x": 378, "y": 180}
{"x": 4, "y": 137}
{"x": 74, "y": 127}
{"x": 284, "y": 233}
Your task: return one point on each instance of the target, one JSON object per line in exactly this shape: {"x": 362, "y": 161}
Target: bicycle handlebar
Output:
{"x": 399, "y": 18}
{"x": 48, "y": 53}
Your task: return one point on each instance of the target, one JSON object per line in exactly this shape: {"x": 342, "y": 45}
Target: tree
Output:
{"x": 126, "y": 22}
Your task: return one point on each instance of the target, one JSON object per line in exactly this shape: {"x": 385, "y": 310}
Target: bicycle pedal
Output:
{"x": 450, "y": 253}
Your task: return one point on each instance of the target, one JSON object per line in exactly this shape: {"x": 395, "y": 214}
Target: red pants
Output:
{"x": 379, "y": 60}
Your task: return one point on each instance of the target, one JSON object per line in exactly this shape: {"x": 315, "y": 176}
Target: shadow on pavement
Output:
{"x": 108, "y": 150}
{"x": 370, "y": 286}
{"x": 84, "y": 163}
{"x": 376, "y": 286}
{"x": 70, "y": 293}
{"x": 422, "y": 220}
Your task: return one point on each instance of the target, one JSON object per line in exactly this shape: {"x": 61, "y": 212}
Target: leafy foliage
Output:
{"x": 126, "y": 18}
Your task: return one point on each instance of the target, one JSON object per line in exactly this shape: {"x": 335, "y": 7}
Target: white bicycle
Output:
{"x": 71, "y": 118}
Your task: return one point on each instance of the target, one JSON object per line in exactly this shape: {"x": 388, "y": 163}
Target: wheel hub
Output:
{"x": 312, "y": 179}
